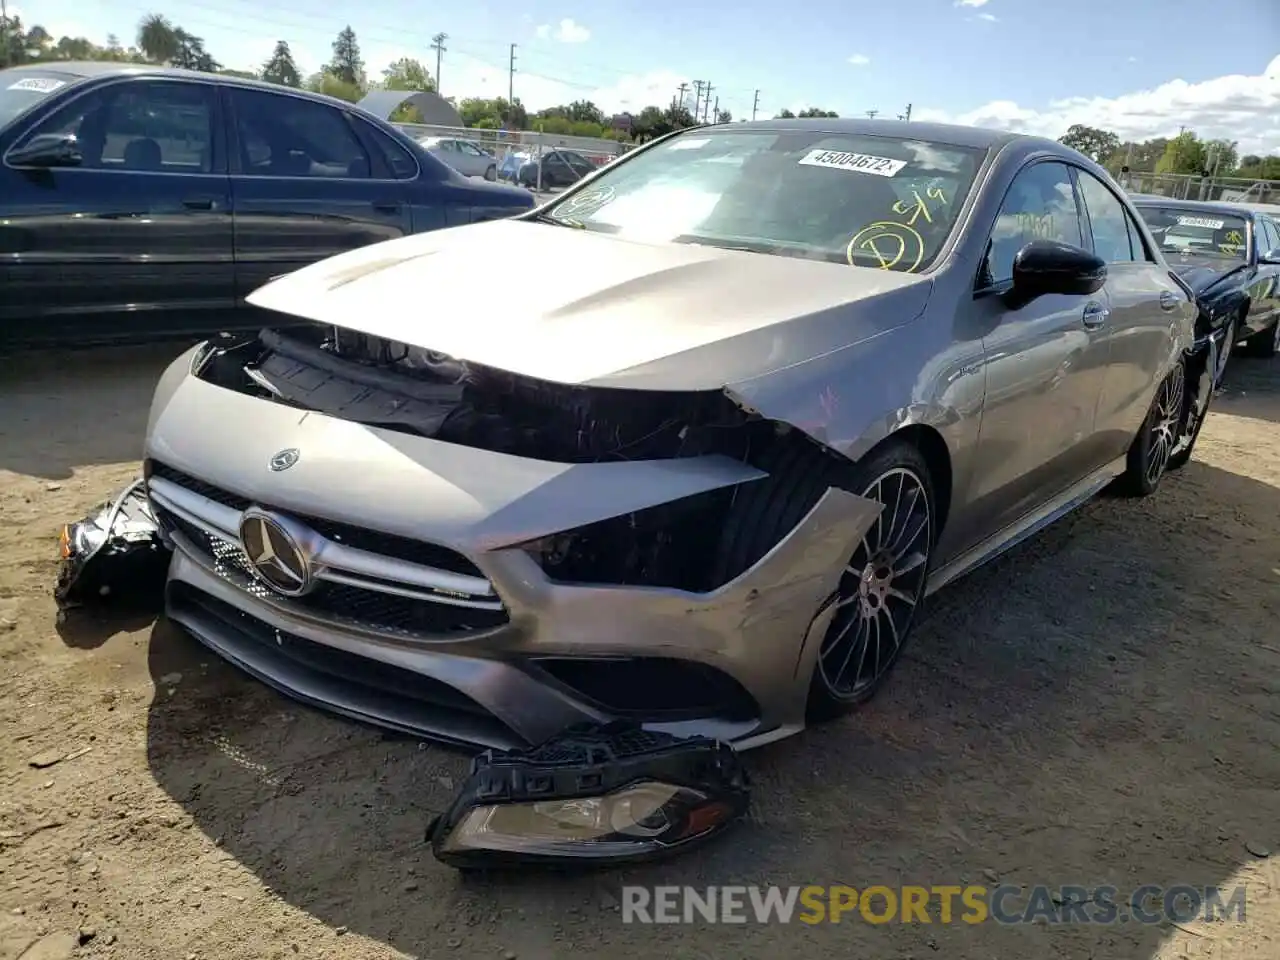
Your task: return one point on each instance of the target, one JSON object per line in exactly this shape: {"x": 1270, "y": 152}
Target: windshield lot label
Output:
{"x": 38, "y": 84}
{"x": 857, "y": 162}
{"x": 690, "y": 144}
{"x": 1201, "y": 222}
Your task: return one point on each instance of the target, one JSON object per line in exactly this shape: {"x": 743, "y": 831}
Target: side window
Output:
{"x": 470, "y": 150}
{"x": 286, "y": 136}
{"x": 1140, "y": 250}
{"x": 1108, "y": 220}
{"x": 399, "y": 161}
{"x": 1040, "y": 205}
{"x": 144, "y": 126}
{"x": 1270, "y": 237}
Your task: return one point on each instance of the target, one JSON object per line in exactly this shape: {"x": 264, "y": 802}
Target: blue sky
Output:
{"x": 1034, "y": 64}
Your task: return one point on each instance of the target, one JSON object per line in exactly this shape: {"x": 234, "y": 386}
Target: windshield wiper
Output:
{"x": 547, "y": 218}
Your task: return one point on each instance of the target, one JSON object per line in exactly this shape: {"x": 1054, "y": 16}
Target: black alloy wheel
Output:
{"x": 880, "y": 589}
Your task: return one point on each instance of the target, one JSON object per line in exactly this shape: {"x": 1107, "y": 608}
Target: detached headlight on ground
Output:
{"x": 600, "y": 794}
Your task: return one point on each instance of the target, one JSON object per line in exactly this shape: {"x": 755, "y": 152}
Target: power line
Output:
{"x": 437, "y": 44}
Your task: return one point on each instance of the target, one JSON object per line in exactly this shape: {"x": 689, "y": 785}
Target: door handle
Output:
{"x": 387, "y": 206}
{"x": 1168, "y": 300}
{"x": 198, "y": 203}
{"x": 1095, "y": 315}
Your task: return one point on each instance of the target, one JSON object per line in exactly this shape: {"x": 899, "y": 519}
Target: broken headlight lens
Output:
{"x": 611, "y": 793}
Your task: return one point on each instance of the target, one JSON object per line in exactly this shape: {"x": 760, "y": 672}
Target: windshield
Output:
{"x": 1189, "y": 231}
{"x": 22, "y": 89}
{"x": 870, "y": 201}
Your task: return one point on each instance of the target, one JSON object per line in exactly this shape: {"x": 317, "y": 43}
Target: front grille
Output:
{"x": 374, "y": 541}
{"x": 336, "y": 602}
{"x": 442, "y": 596}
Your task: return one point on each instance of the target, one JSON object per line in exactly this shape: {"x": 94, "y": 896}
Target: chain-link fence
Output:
{"x": 1187, "y": 187}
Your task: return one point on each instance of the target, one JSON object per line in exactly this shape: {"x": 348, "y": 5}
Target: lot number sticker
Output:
{"x": 855, "y": 162}
{"x": 38, "y": 84}
{"x": 1201, "y": 222}
{"x": 690, "y": 144}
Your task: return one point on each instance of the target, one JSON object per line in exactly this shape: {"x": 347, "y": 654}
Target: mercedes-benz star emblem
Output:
{"x": 285, "y": 459}
{"x": 274, "y": 555}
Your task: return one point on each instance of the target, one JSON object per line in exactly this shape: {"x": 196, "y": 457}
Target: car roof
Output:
{"x": 960, "y": 136}
{"x": 92, "y": 69}
{"x": 1205, "y": 206}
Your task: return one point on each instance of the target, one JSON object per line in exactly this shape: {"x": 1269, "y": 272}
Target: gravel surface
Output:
{"x": 1098, "y": 707}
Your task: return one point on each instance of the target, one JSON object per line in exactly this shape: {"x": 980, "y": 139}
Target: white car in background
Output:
{"x": 465, "y": 156}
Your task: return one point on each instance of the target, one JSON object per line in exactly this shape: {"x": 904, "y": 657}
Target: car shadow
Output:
{"x": 1097, "y": 707}
{"x": 1251, "y": 388}
{"x": 98, "y": 400}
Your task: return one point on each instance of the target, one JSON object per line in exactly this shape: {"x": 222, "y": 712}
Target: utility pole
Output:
{"x": 511, "y": 78}
{"x": 697, "y": 98}
{"x": 4, "y": 34}
{"x": 706, "y": 105}
{"x": 907, "y": 115}
{"x": 755, "y": 105}
{"x": 715, "y": 111}
{"x": 683, "y": 87}
{"x": 437, "y": 44}
{"x": 871, "y": 114}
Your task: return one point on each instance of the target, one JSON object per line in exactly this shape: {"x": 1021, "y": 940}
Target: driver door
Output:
{"x": 1045, "y": 362}
{"x": 304, "y": 186}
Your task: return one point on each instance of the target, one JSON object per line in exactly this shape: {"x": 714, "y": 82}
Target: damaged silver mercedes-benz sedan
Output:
{"x": 696, "y": 457}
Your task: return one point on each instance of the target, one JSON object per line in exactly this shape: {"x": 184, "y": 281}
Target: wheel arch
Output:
{"x": 933, "y": 447}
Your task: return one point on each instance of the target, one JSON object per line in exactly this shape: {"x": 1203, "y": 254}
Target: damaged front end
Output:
{"x": 365, "y": 379}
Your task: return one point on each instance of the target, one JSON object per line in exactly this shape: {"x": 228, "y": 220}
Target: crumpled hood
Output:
{"x": 1200, "y": 273}
{"x": 578, "y": 307}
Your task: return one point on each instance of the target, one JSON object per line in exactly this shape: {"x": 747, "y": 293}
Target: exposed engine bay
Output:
{"x": 370, "y": 380}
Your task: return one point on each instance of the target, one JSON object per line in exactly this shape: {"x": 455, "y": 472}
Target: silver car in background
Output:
{"x": 798, "y": 375}
{"x": 465, "y": 156}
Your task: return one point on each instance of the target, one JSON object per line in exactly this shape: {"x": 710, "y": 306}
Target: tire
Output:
{"x": 491, "y": 174}
{"x": 1228, "y": 343}
{"x": 1193, "y": 418}
{"x": 1161, "y": 429}
{"x": 764, "y": 512}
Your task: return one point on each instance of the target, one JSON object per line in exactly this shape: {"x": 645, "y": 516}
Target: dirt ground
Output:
{"x": 1102, "y": 706}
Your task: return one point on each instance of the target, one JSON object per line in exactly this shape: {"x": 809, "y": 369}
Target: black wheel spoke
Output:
{"x": 880, "y": 588}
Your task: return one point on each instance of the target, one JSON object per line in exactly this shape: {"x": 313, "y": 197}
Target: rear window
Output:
{"x": 22, "y": 89}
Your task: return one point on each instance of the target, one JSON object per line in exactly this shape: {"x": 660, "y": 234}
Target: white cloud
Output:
{"x": 971, "y": 3}
{"x": 1237, "y": 107}
{"x": 860, "y": 60}
{"x": 1133, "y": 59}
{"x": 567, "y": 31}
{"x": 989, "y": 17}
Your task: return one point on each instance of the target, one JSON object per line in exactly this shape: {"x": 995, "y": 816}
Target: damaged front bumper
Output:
{"x": 432, "y": 617}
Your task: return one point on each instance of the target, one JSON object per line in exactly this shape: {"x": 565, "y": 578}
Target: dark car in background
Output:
{"x": 1229, "y": 256}
{"x": 560, "y": 168}
{"x": 140, "y": 201}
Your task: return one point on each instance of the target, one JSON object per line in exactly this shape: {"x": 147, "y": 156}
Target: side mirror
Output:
{"x": 48, "y": 150}
{"x": 1047, "y": 266}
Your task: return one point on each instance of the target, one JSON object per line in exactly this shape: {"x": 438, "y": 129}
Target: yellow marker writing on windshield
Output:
{"x": 892, "y": 245}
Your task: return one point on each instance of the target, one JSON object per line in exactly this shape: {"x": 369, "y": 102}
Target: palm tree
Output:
{"x": 157, "y": 38}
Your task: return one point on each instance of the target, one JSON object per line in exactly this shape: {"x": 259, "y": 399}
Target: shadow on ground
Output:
{"x": 1099, "y": 707}
{"x": 1251, "y": 389}
{"x": 64, "y": 409}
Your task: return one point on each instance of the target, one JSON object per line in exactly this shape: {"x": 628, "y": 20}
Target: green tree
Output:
{"x": 408, "y": 74}
{"x": 158, "y": 38}
{"x": 191, "y": 54}
{"x": 493, "y": 114}
{"x": 1093, "y": 142}
{"x": 280, "y": 67}
{"x": 724, "y": 116}
{"x": 815, "y": 112}
{"x": 1183, "y": 154}
{"x": 784, "y": 114}
{"x": 334, "y": 86}
{"x": 1221, "y": 157}
{"x": 346, "y": 64}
